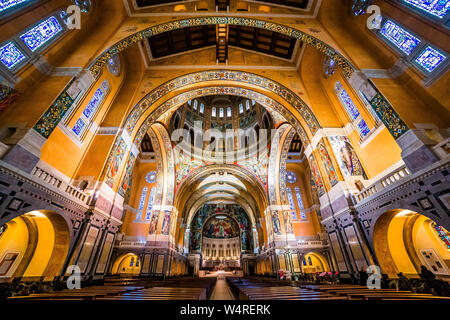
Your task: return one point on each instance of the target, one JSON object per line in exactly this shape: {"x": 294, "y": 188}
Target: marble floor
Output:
{"x": 222, "y": 290}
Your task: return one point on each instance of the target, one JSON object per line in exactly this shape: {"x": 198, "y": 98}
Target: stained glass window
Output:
{"x": 253, "y": 102}
{"x": 352, "y": 110}
{"x": 202, "y": 108}
{"x": 95, "y": 101}
{"x": 131, "y": 261}
{"x": 151, "y": 177}
{"x": 347, "y": 101}
{"x": 291, "y": 203}
{"x": 430, "y": 59}
{"x": 399, "y": 37}
{"x": 41, "y": 34}
{"x": 150, "y": 203}
{"x": 300, "y": 203}
{"x": 247, "y": 105}
{"x": 8, "y": 4}
{"x": 437, "y": 8}
{"x": 10, "y": 55}
{"x": 221, "y": 112}
{"x": 213, "y": 112}
{"x": 78, "y": 127}
{"x": 241, "y": 109}
{"x": 195, "y": 104}
{"x": 363, "y": 128}
{"x": 229, "y": 112}
{"x": 142, "y": 203}
{"x": 310, "y": 261}
{"x": 291, "y": 177}
{"x": 442, "y": 234}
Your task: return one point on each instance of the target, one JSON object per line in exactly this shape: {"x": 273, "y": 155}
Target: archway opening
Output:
{"x": 314, "y": 262}
{"x": 405, "y": 240}
{"x": 127, "y": 265}
{"x": 34, "y": 245}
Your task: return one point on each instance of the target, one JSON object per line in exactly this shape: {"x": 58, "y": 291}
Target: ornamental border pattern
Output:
{"x": 97, "y": 65}
{"x": 225, "y": 75}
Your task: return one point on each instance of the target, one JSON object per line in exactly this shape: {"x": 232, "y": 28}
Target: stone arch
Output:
{"x": 39, "y": 244}
{"x": 99, "y": 62}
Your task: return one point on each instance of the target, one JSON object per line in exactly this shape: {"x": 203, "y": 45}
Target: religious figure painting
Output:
{"x": 346, "y": 156}
{"x": 166, "y": 223}
{"x": 115, "y": 164}
{"x": 276, "y": 222}
{"x": 328, "y": 165}
{"x": 221, "y": 227}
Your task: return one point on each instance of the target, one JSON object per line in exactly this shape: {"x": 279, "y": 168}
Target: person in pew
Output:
{"x": 363, "y": 276}
{"x": 403, "y": 283}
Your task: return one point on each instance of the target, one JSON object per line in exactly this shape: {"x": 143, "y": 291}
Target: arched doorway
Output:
{"x": 314, "y": 262}
{"x": 405, "y": 240}
{"x": 127, "y": 265}
{"x": 34, "y": 245}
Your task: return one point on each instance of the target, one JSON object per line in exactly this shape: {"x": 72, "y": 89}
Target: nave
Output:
{"x": 226, "y": 288}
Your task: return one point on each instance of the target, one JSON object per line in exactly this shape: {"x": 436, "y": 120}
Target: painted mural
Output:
{"x": 316, "y": 179}
{"x": 166, "y": 223}
{"x": 327, "y": 164}
{"x": 126, "y": 182}
{"x": 221, "y": 227}
{"x": 220, "y": 221}
{"x": 346, "y": 156}
{"x": 153, "y": 222}
{"x": 276, "y": 222}
{"x": 115, "y": 163}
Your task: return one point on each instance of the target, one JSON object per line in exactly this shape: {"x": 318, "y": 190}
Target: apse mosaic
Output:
{"x": 220, "y": 221}
{"x": 346, "y": 156}
{"x": 221, "y": 227}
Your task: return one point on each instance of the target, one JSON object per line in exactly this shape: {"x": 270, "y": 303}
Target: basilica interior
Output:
{"x": 224, "y": 144}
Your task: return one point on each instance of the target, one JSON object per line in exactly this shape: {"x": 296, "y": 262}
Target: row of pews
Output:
{"x": 272, "y": 289}
{"x": 134, "y": 289}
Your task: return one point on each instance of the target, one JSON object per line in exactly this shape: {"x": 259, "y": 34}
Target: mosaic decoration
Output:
{"x": 387, "y": 114}
{"x": 151, "y": 177}
{"x": 327, "y": 164}
{"x": 119, "y": 152}
{"x": 291, "y": 177}
{"x": 437, "y": 8}
{"x": 288, "y": 223}
{"x": 248, "y": 120}
{"x": 346, "y": 156}
{"x": 276, "y": 222}
{"x": 226, "y": 75}
{"x": 11, "y": 56}
{"x": 142, "y": 203}
{"x": 97, "y": 66}
{"x": 359, "y": 7}
{"x": 166, "y": 223}
{"x": 221, "y": 227}
{"x": 291, "y": 203}
{"x": 78, "y": 127}
{"x": 153, "y": 222}
{"x": 96, "y": 100}
{"x": 206, "y": 222}
{"x": 41, "y": 34}
{"x": 151, "y": 198}
{"x": 316, "y": 179}
{"x": 442, "y": 234}
{"x": 257, "y": 165}
{"x": 113, "y": 65}
{"x": 54, "y": 114}
{"x": 126, "y": 181}
{"x": 283, "y": 159}
{"x": 300, "y": 203}
{"x": 8, "y": 4}
{"x": 399, "y": 37}
{"x": 429, "y": 59}
{"x": 276, "y": 171}
{"x": 7, "y": 96}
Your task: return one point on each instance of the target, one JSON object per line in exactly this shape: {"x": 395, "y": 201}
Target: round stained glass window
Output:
{"x": 151, "y": 177}
{"x": 113, "y": 65}
{"x": 290, "y": 177}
